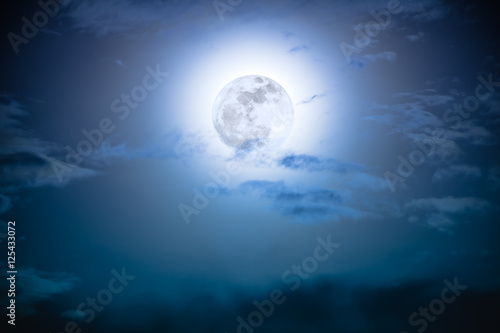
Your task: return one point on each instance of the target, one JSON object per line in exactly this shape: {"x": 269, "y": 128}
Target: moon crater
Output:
{"x": 253, "y": 111}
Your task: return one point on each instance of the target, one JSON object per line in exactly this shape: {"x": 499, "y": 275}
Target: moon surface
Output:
{"x": 251, "y": 112}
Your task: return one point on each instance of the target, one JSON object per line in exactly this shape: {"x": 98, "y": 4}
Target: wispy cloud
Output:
{"x": 73, "y": 314}
{"x": 416, "y": 37}
{"x": 436, "y": 13}
{"x": 35, "y": 286}
{"x": 129, "y": 17}
{"x": 175, "y": 144}
{"x": 441, "y": 213}
{"x": 315, "y": 163}
{"x": 298, "y": 48}
{"x": 437, "y": 221}
{"x": 419, "y": 113}
{"x": 464, "y": 171}
{"x": 494, "y": 178}
{"x": 312, "y": 98}
{"x": 3, "y": 231}
{"x": 362, "y": 61}
{"x": 449, "y": 204}
{"x": 5, "y": 203}
{"x": 27, "y": 160}
{"x": 352, "y": 175}
{"x": 301, "y": 204}
{"x": 120, "y": 63}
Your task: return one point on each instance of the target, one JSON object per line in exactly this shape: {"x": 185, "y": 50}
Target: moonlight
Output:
{"x": 253, "y": 112}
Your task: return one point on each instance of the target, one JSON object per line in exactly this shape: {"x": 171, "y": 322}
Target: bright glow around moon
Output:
{"x": 230, "y": 56}
{"x": 253, "y": 111}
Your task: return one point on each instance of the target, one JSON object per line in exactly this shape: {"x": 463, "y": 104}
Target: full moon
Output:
{"x": 251, "y": 112}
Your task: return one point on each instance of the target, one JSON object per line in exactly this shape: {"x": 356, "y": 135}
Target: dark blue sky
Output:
{"x": 382, "y": 201}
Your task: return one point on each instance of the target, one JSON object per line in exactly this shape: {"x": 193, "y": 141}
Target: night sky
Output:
{"x": 379, "y": 213}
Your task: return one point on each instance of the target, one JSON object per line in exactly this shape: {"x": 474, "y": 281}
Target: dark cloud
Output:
{"x": 314, "y": 163}
{"x": 421, "y": 114}
{"x": 442, "y": 213}
{"x": 302, "y": 204}
{"x": 449, "y": 204}
{"x": 175, "y": 144}
{"x": 133, "y": 18}
{"x": 430, "y": 14}
{"x": 25, "y": 160}
{"x": 494, "y": 178}
{"x": 366, "y": 59}
{"x": 319, "y": 305}
{"x": 3, "y": 231}
{"x": 35, "y": 286}
{"x": 463, "y": 171}
{"x": 417, "y": 37}
{"x": 280, "y": 192}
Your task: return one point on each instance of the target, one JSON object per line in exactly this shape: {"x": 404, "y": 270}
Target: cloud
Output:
{"x": 405, "y": 116}
{"x": 73, "y": 314}
{"x": 335, "y": 304}
{"x": 298, "y": 48}
{"x": 417, "y": 37}
{"x": 420, "y": 113}
{"x": 413, "y": 111}
{"x": 465, "y": 171}
{"x": 130, "y": 17}
{"x": 302, "y": 204}
{"x": 5, "y": 203}
{"x": 387, "y": 55}
{"x": 120, "y": 63}
{"x": 441, "y": 213}
{"x": 449, "y": 204}
{"x": 494, "y": 178}
{"x": 472, "y": 133}
{"x": 51, "y": 32}
{"x": 433, "y": 14}
{"x": 365, "y": 181}
{"x": 280, "y": 192}
{"x": 437, "y": 221}
{"x": 427, "y": 97}
{"x": 32, "y": 162}
{"x": 107, "y": 152}
{"x": 26, "y": 169}
{"x": 312, "y": 98}
{"x": 3, "y": 231}
{"x": 34, "y": 286}
{"x": 353, "y": 175}
{"x": 440, "y": 222}
{"x": 26, "y": 159}
{"x": 314, "y": 163}
{"x": 362, "y": 61}
{"x": 173, "y": 144}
